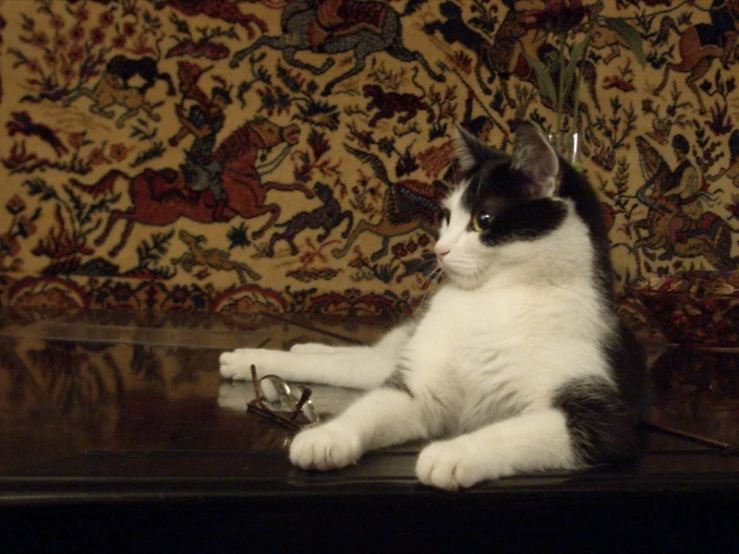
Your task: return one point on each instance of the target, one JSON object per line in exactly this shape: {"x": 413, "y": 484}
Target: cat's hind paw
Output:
{"x": 451, "y": 465}
{"x": 329, "y": 446}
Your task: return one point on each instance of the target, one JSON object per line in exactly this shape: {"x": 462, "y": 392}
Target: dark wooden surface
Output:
{"x": 121, "y": 421}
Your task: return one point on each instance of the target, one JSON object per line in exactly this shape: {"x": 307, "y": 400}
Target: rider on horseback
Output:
{"x": 200, "y": 170}
{"x": 684, "y": 192}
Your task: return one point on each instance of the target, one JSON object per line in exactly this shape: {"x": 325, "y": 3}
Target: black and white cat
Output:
{"x": 519, "y": 362}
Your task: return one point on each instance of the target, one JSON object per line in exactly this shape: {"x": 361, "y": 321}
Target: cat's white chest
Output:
{"x": 496, "y": 316}
{"x": 510, "y": 346}
{"x": 485, "y": 338}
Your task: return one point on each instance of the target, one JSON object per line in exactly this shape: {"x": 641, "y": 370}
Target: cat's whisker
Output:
{"x": 428, "y": 268}
{"x": 427, "y": 281}
{"x": 433, "y": 274}
{"x": 428, "y": 278}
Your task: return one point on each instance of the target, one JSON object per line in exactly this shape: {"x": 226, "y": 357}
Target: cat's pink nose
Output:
{"x": 441, "y": 252}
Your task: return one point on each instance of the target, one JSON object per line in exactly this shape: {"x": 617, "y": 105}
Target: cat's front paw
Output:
{"x": 451, "y": 465}
{"x": 237, "y": 364}
{"x": 329, "y": 446}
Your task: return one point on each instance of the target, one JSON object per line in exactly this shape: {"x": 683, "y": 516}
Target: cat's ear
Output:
{"x": 533, "y": 155}
{"x": 469, "y": 150}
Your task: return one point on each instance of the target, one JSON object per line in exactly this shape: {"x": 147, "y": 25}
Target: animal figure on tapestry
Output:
{"x": 606, "y": 38}
{"x": 327, "y": 217}
{"x": 519, "y": 362}
{"x": 197, "y": 256}
{"x": 505, "y": 56}
{"x": 112, "y": 89}
{"x": 389, "y": 104}
{"x": 22, "y": 124}
{"x": 700, "y": 44}
{"x": 408, "y": 205}
{"x": 454, "y": 29}
{"x": 203, "y": 48}
{"x": 159, "y": 197}
{"x": 227, "y": 11}
{"x": 502, "y": 57}
{"x": 669, "y": 228}
{"x": 336, "y": 26}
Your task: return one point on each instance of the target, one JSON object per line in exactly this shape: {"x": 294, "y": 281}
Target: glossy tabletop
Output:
{"x": 110, "y": 408}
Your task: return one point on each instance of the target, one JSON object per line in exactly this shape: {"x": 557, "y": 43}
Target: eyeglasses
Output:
{"x": 288, "y": 406}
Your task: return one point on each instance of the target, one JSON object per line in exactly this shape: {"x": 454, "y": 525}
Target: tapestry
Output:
{"x": 289, "y": 156}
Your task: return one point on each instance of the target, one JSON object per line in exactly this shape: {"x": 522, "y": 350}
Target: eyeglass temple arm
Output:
{"x": 255, "y": 383}
{"x": 303, "y": 399}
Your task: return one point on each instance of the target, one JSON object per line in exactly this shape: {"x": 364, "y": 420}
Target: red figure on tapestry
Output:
{"x": 223, "y": 10}
{"x": 702, "y": 43}
{"x": 161, "y": 197}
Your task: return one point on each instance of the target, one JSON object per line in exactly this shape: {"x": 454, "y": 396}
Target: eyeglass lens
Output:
{"x": 281, "y": 397}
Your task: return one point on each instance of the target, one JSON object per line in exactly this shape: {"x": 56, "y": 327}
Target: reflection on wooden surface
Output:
{"x": 97, "y": 384}
{"x": 107, "y": 383}
{"x": 698, "y": 391}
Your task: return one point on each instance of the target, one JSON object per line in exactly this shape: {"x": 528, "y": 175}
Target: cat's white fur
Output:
{"x": 479, "y": 369}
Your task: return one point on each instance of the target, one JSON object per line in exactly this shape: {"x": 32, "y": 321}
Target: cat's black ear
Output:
{"x": 469, "y": 150}
{"x": 534, "y": 156}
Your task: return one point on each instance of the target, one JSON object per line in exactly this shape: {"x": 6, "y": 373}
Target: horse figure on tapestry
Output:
{"x": 160, "y": 197}
{"x": 669, "y": 228}
{"x": 336, "y": 26}
{"x": 700, "y": 44}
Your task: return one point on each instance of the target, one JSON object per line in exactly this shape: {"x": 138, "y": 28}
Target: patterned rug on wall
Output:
{"x": 289, "y": 155}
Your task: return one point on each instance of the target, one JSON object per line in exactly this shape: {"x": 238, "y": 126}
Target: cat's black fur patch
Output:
{"x": 602, "y": 427}
{"x": 493, "y": 176}
{"x": 575, "y": 186}
{"x": 627, "y": 356}
{"x": 527, "y": 221}
{"x": 506, "y": 193}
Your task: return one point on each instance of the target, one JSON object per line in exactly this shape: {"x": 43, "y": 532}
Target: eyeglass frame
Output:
{"x": 286, "y": 419}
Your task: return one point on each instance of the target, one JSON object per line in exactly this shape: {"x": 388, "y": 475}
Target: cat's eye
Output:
{"x": 446, "y": 216}
{"x": 482, "y": 222}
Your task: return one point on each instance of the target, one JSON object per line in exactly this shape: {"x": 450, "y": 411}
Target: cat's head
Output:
{"x": 501, "y": 203}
